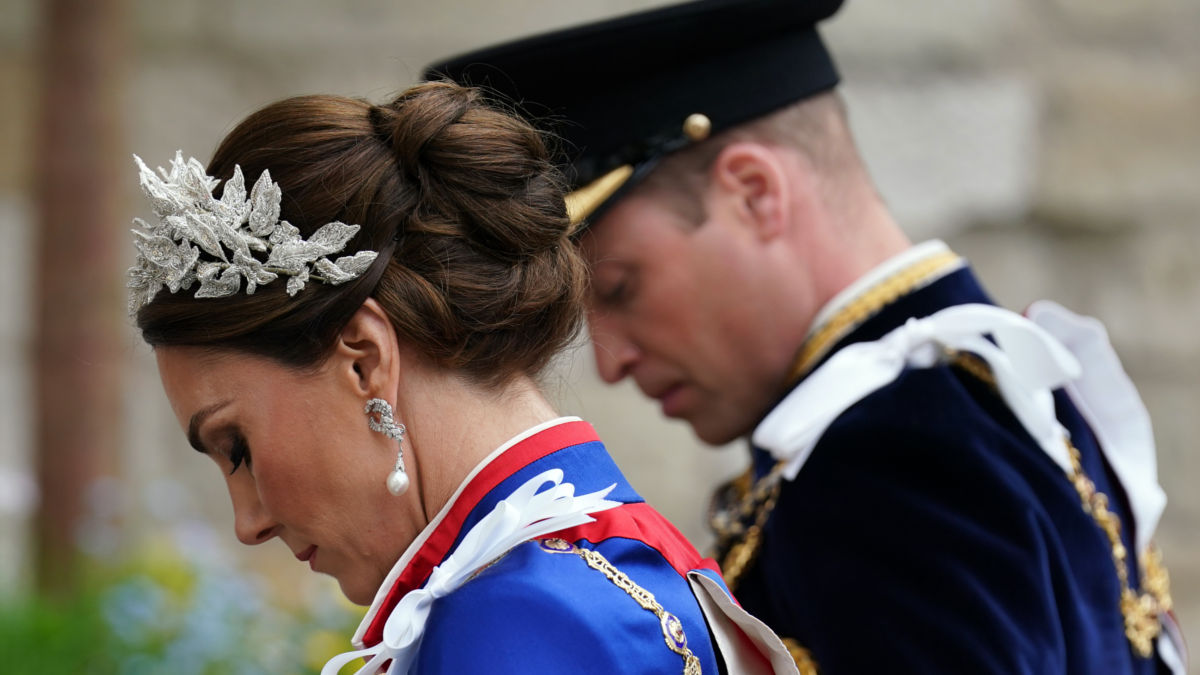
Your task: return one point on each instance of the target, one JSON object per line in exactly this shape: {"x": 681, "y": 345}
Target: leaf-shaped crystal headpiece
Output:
{"x": 191, "y": 220}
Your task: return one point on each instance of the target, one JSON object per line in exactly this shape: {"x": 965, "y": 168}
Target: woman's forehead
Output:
{"x": 196, "y": 378}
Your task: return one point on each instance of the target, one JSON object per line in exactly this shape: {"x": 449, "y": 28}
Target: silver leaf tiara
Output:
{"x": 191, "y": 220}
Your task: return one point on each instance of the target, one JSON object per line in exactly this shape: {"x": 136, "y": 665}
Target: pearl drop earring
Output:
{"x": 397, "y": 480}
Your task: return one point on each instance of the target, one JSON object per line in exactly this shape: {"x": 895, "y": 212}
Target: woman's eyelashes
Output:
{"x": 239, "y": 452}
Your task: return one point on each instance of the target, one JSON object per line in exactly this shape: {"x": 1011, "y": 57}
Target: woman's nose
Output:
{"x": 251, "y": 521}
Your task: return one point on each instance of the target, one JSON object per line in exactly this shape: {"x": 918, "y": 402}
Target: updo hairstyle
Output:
{"x": 461, "y": 200}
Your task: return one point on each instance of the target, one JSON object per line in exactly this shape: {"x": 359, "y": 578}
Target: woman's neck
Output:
{"x": 454, "y": 424}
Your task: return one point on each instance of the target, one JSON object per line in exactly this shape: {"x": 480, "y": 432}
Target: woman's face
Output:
{"x": 298, "y": 458}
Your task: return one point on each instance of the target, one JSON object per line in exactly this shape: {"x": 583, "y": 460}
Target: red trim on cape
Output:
{"x": 638, "y": 521}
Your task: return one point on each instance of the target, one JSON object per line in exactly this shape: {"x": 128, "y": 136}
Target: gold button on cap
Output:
{"x": 697, "y": 126}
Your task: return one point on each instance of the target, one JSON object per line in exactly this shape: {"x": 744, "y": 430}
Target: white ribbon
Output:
{"x": 1107, "y": 399}
{"x": 525, "y": 514}
{"x": 1026, "y": 361}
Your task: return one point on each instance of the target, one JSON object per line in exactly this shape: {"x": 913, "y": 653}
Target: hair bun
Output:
{"x": 414, "y": 119}
{"x": 477, "y": 167}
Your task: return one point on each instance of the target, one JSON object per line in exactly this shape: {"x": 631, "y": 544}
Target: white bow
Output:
{"x": 1026, "y": 361}
{"x": 525, "y": 514}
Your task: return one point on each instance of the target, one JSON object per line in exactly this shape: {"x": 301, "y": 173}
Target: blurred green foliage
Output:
{"x": 164, "y": 612}
{"x": 41, "y": 636}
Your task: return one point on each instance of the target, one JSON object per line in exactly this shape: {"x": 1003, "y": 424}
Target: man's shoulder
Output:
{"x": 947, "y": 403}
{"x": 931, "y": 429}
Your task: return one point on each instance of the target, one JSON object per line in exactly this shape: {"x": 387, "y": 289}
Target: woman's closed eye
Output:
{"x": 238, "y": 453}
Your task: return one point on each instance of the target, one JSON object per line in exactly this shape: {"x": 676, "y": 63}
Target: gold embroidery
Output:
{"x": 802, "y": 657}
{"x": 867, "y": 305}
{"x": 672, "y": 627}
{"x": 738, "y": 543}
{"x": 1140, "y": 610}
{"x": 738, "y": 513}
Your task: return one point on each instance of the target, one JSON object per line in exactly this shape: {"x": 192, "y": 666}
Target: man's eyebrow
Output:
{"x": 193, "y": 433}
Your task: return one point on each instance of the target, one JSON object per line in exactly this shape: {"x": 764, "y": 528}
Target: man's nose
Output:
{"x": 615, "y": 353}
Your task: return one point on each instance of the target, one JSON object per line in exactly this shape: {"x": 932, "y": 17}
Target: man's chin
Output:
{"x": 716, "y": 432}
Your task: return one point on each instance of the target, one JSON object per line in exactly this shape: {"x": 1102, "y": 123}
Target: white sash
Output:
{"x": 1107, "y": 399}
{"x": 1026, "y": 361}
{"x": 525, "y": 514}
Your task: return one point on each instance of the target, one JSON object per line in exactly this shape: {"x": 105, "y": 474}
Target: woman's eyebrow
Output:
{"x": 193, "y": 433}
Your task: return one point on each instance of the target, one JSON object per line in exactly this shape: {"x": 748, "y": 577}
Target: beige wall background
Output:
{"x": 1056, "y": 143}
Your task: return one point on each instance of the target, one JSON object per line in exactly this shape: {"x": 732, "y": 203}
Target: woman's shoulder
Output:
{"x": 546, "y": 601}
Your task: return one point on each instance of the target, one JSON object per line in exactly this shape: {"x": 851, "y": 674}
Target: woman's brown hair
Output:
{"x": 462, "y": 202}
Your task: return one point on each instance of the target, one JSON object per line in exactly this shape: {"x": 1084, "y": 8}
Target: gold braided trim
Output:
{"x": 867, "y": 305}
{"x": 1140, "y": 610}
{"x": 737, "y": 542}
{"x": 583, "y": 202}
{"x": 802, "y": 657}
{"x": 672, "y": 627}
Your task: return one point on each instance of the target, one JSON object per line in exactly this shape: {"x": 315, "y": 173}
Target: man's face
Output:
{"x": 687, "y": 311}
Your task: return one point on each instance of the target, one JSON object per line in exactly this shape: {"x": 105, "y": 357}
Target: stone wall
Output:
{"x": 1056, "y": 143}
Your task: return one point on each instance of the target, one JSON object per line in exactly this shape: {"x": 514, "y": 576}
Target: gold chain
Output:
{"x": 1140, "y": 610}
{"x": 672, "y": 627}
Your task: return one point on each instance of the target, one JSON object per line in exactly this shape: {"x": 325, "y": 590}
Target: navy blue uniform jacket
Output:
{"x": 929, "y": 533}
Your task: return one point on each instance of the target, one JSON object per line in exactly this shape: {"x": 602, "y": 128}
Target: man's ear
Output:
{"x": 367, "y": 352}
{"x": 754, "y": 179}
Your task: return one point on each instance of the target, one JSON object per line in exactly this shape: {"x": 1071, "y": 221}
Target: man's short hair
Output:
{"x": 816, "y": 127}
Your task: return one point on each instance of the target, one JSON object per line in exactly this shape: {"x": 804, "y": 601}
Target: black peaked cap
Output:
{"x": 617, "y": 91}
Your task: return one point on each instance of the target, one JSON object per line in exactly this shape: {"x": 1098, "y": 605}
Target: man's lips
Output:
{"x": 671, "y": 400}
{"x": 307, "y": 555}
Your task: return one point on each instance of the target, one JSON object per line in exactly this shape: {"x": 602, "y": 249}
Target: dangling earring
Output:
{"x": 397, "y": 480}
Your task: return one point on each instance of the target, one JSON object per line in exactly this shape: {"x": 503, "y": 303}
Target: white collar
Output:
{"x": 411, "y": 551}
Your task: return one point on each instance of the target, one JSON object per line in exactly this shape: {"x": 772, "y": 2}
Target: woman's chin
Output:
{"x": 358, "y": 592}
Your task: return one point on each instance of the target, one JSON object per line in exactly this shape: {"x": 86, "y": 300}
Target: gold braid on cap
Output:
{"x": 583, "y": 202}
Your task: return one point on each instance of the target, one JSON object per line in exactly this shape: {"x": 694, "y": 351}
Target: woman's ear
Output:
{"x": 367, "y": 352}
{"x": 752, "y": 178}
